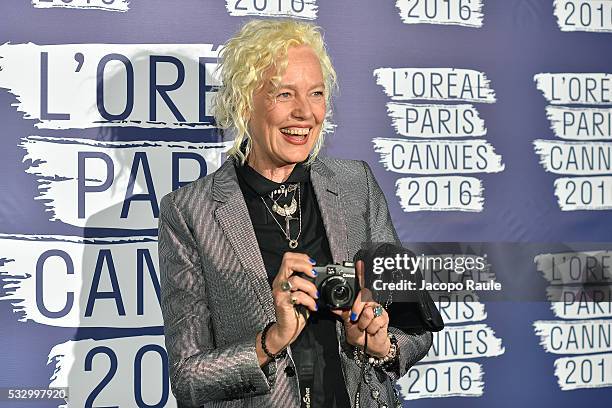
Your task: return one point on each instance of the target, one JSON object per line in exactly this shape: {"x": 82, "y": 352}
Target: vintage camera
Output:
{"x": 337, "y": 285}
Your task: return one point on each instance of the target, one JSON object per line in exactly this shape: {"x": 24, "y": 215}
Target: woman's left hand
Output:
{"x": 360, "y": 321}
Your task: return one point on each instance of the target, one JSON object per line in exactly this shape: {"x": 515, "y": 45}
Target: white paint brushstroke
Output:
{"x": 432, "y": 121}
{"x": 69, "y": 360}
{"x": 574, "y": 337}
{"x": 55, "y": 162}
{"x": 572, "y": 15}
{"x": 115, "y": 5}
{"x": 580, "y": 302}
{"x": 77, "y": 240}
{"x": 581, "y": 310}
{"x": 574, "y": 158}
{"x": 470, "y": 341}
{"x": 459, "y": 307}
{"x": 437, "y": 84}
{"x": 72, "y": 87}
{"x": 304, "y": 9}
{"x": 452, "y": 12}
{"x": 569, "y": 191}
{"x": 465, "y": 380}
{"x": 598, "y": 368}
{"x": 464, "y": 156}
{"x": 580, "y": 123}
{"x": 24, "y": 253}
{"x": 575, "y": 88}
{"x": 412, "y": 194}
{"x": 571, "y": 268}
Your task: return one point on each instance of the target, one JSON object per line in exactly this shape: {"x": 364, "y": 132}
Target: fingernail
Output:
{"x": 314, "y": 272}
{"x": 353, "y": 316}
{"x": 312, "y": 261}
{"x": 316, "y": 307}
{"x": 318, "y": 294}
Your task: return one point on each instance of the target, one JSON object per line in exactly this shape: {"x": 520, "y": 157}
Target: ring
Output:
{"x": 378, "y": 310}
{"x": 293, "y": 300}
{"x": 285, "y": 286}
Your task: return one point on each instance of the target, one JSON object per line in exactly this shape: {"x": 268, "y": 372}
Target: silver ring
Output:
{"x": 378, "y": 310}
{"x": 293, "y": 300}
{"x": 285, "y": 286}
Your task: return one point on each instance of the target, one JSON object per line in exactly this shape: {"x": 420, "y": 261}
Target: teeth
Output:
{"x": 296, "y": 131}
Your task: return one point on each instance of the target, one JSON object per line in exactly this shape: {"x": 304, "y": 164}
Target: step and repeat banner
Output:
{"x": 484, "y": 121}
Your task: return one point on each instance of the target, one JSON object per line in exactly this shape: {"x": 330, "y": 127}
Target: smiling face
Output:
{"x": 285, "y": 124}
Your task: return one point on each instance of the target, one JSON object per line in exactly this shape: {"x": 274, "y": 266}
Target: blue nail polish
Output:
{"x": 316, "y": 307}
{"x": 315, "y": 273}
{"x": 312, "y": 261}
{"x": 353, "y": 316}
{"x": 318, "y": 294}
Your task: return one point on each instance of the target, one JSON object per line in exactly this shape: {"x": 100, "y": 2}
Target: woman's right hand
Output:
{"x": 290, "y": 324}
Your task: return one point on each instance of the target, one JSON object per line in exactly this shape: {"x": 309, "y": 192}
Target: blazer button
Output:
{"x": 290, "y": 371}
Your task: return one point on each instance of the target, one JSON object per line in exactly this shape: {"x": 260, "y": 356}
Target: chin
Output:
{"x": 297, "y": 157}
{"x": 295, "y": 160}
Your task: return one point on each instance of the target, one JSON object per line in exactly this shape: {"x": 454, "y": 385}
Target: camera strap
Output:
{"x": 305, "y": 365}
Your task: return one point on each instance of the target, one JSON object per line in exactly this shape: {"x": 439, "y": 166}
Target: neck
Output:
{"x": 272, "y": 172}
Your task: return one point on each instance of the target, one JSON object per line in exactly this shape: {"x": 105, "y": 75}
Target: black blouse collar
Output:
{"x": 263, "y": 186}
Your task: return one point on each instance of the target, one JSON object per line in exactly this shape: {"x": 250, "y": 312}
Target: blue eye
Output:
{"x": 284, "y": 95}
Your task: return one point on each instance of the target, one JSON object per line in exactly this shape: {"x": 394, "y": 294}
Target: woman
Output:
{"x": 237, "y": 247}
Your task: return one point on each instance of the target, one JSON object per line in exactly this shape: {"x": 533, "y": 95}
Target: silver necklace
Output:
{"x": 293, "y": 243}
{"x": 284, "y": 210}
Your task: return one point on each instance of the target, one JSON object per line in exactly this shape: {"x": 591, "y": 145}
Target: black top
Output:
{"x": 315, "y": 351}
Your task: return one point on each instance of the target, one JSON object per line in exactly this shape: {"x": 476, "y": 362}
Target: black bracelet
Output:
{"x": 264, "y": 333}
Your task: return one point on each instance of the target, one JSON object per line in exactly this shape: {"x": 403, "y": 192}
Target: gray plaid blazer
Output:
{"x": 215, "y": 295}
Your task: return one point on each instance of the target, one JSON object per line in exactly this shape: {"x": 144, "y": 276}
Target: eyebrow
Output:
{"x": 289, "y": 86}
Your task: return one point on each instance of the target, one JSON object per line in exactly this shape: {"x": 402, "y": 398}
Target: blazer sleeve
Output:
{"x": 412, "y": 346}
{"x": 199, "y": 371}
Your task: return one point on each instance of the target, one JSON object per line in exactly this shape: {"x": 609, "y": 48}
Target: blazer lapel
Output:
{"x": 328, "y": 196}
{"x": 327, "y": 191}
{"x": 233, "y": 216}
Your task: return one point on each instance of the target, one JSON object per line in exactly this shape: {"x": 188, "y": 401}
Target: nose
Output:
{"x": 301, "y": 108}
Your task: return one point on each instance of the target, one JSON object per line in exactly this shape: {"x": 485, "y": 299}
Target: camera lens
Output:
{"x": 337, "y": 292}
{"x": 340, "y": 293}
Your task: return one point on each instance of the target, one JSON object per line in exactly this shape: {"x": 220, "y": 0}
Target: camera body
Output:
{"x": 337, "y": 285}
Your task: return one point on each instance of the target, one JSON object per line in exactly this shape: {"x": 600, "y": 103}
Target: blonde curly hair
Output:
{"x": 261, "y": 45}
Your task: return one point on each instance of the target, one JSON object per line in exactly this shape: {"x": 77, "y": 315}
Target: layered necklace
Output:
{"x": 286, "y": 210}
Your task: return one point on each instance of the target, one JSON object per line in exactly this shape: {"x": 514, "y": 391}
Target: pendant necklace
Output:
{"x": 284, "y": 210}
{"x": 287, "y": 211}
